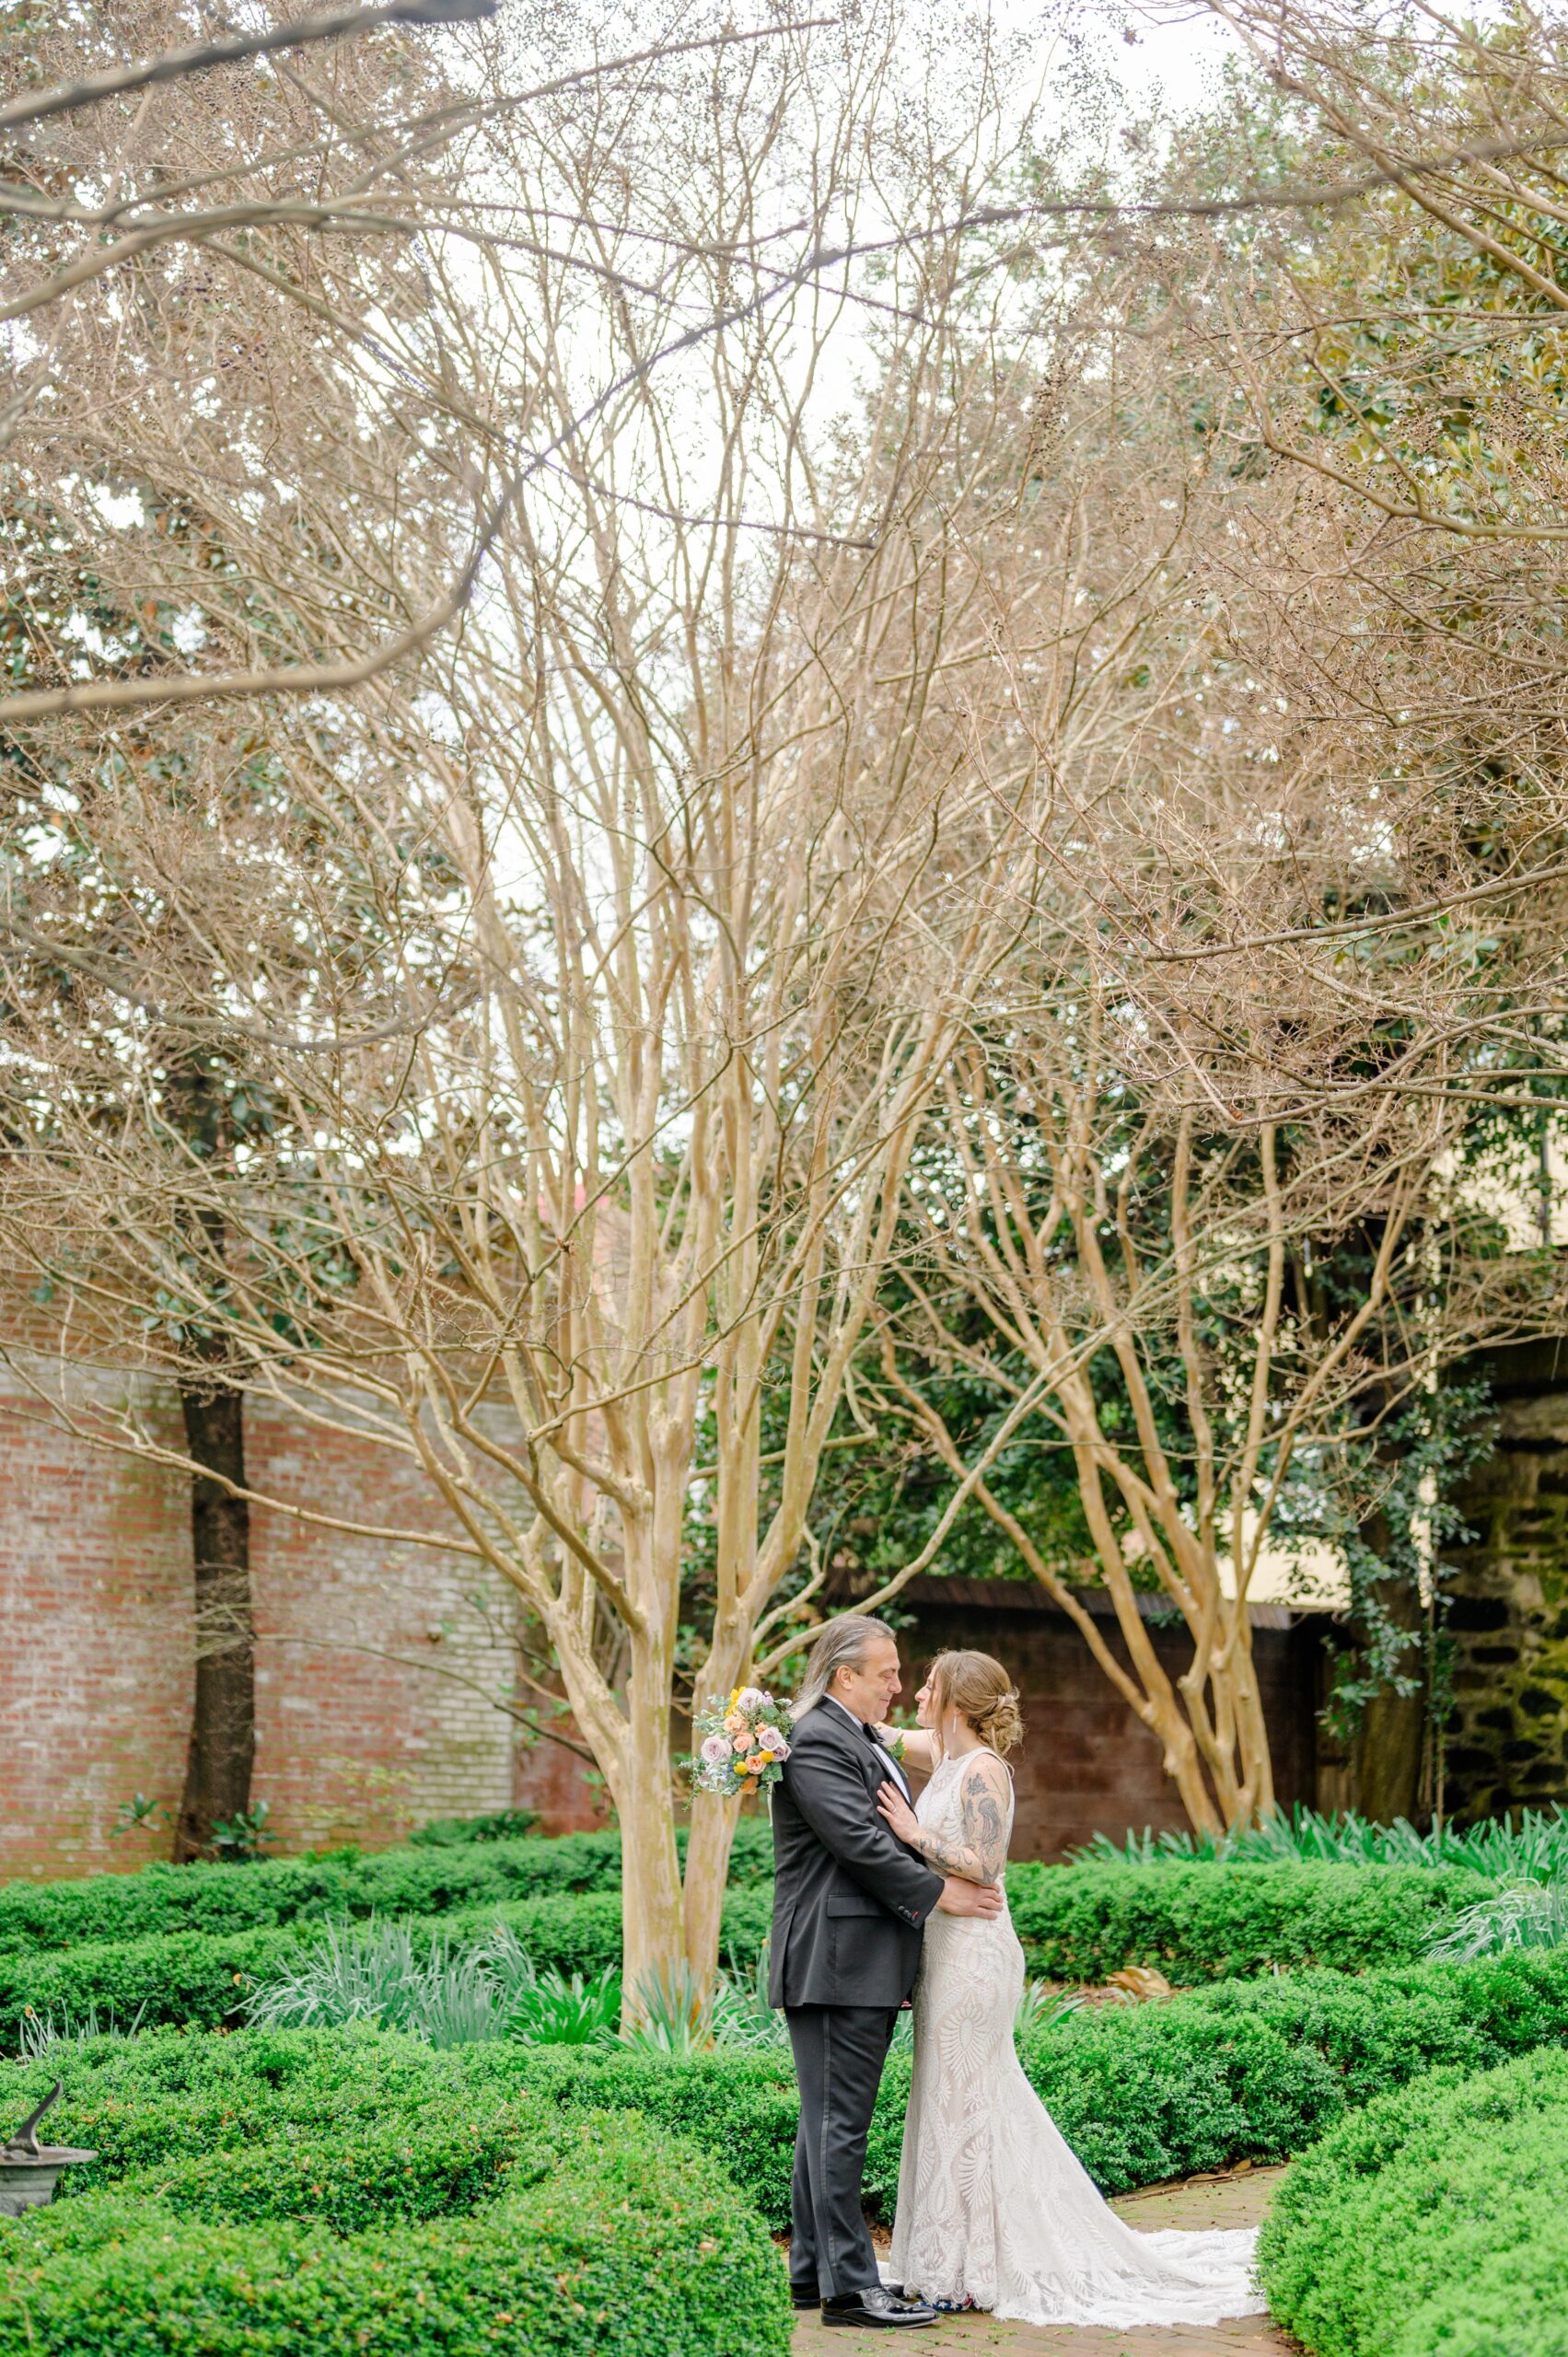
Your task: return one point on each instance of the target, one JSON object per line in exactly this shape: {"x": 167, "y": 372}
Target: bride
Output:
{"x": 995, "y": 2209}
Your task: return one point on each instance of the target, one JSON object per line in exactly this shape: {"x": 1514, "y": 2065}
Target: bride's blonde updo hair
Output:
{"x": 981, "y": 1690}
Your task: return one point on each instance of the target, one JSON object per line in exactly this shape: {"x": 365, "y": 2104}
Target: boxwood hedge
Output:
{"x": 1212, "y": 1922}
{"x": 161, "y": 1899}
{"x": 369, "y": 2133}
{"x": 304, "y": 2194}
{"x": 1243, "y": 2069}
{"x": 201, "y": 1980}
{"x": 1431, "y": 2222}
{"x": 1198, "y": 1922}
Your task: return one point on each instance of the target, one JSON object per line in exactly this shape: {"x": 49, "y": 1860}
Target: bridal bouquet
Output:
{"x": 740, "y": 1746}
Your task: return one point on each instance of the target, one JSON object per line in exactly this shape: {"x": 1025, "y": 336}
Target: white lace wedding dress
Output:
{"x": 993, "y": 2204}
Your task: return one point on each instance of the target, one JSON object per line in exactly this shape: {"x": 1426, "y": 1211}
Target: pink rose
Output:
{"x": 769, "y": 1739}
{"x": 751, "y": 1698}
{"x": 742, "y": 1746}
{"x": 716, "y": 1751}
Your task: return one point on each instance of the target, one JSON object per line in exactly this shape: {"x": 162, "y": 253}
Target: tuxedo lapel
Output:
{"x": 868, "y": 1744}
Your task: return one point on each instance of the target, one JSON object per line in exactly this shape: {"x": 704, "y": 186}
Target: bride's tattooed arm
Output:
{"x": 978, "y": 1852}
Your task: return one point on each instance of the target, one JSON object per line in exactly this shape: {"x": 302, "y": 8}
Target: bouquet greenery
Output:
{"x": 740, "y": 1746}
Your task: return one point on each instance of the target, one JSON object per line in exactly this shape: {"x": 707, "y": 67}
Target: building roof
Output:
{"x": 1028, "y": 1596}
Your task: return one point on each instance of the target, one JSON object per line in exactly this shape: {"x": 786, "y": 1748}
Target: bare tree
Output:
{"x": 296, "y": 200}
{"x": 1188, "y": 1201}
{"x": 600, "y": 967}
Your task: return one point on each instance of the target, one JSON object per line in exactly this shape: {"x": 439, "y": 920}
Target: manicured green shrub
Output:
{"x": 1197, "y": 1923}
{"x": 202, "y": 1979}
{"x": 1431, "y": 2222}
{"x": 1240, "y": 2070}
{"x": 191, "y": 1976}
{"x": 742, "y": 2106}
{"x": 168, "y": 2094}
{"x": 1220, "y": 1922}
{"x": 496, "y": 1825}
{"x": 426, "y": 1881}
{"x": 1245, "y": 2070}
{"x": 160, "y": 1901}
{"x": 628, "y": 2246}
{"x": 445, "y": 2214}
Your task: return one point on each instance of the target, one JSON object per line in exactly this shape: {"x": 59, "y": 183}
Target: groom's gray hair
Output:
{"x": 842, "y": 1642}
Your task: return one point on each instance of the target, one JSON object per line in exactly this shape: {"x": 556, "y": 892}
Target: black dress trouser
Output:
{"x": 838, "y": 2054}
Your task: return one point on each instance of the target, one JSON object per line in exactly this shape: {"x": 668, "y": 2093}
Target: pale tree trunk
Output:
{"x": 652, "y": 1903}
{"x": 1038, "y": 1271}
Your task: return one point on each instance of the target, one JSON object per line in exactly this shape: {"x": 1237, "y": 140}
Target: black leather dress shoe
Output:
{"x": 876, "y": 2309}
{"x": 802, "y": 2295}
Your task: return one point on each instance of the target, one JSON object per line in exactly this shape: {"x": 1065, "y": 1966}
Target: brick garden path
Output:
{"x": 1202, "y": 2202}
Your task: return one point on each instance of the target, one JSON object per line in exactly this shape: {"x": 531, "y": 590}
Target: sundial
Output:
{"x": 28, "y": 2170}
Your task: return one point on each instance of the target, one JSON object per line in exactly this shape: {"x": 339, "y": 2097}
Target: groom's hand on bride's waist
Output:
{"x": 969, "y": 1897}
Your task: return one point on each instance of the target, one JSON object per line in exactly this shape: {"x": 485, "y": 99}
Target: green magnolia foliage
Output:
{"x": 318, "y": 2192}
{"x": 1432, "y": 2221}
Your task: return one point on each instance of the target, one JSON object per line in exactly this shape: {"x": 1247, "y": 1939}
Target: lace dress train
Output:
{"x": 993, "y": 2205}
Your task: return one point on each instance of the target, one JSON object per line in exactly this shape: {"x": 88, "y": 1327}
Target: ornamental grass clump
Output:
{"x": 442, "y": 1991}
{"x": 1520, "y": 1915}
{"x": 1534, "y": 1847}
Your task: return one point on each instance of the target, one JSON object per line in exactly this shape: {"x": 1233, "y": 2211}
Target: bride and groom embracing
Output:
{"x": 875, "y": 1900}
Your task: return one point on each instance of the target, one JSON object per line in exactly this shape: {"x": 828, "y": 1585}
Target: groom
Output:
{"x": 850, "y": 1904}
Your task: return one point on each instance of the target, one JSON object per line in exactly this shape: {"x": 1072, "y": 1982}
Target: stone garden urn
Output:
{"x": 30, "y": 2171}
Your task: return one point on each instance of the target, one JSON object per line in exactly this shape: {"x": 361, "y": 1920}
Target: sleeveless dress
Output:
{"x": 993, "y": 2205}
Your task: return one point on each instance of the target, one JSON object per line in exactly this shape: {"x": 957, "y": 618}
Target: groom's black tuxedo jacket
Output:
{"x": 849, "y": 1900}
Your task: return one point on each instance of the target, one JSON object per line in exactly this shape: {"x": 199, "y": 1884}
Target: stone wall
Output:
{"x": 1508, "y": 1745}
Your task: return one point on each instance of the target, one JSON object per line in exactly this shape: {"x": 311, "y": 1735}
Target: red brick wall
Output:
{"x": 95, "y": 1663}
{"x": 1087, "y": 1765}
{"x": 96, "y": 1668}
